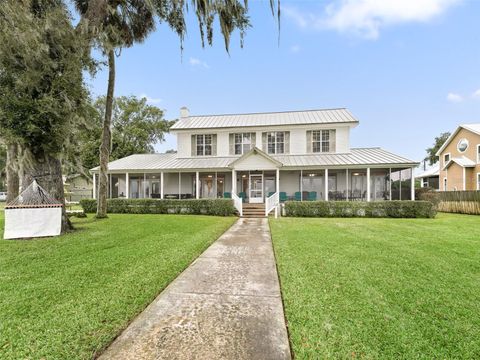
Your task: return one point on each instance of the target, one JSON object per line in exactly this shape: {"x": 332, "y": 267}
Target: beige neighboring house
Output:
{"x": 460, "y": 159}
{"x": 77, "y": 187}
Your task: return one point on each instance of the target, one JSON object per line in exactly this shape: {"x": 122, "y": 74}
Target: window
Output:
{"x": 478, "y": 153}
{"x": 478, "y": 181}
{"x": 242, "y": 143}
{"x": 446, "y": 159}
{"x": 204, "y": 144}
{"x": 276, "y": 142}
{"x": 321, "y": 141}
{"x": 462, "y": 145}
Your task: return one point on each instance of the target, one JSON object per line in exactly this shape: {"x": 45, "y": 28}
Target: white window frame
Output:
{"x": 449, "y": 158}
{"x": 478, "y": 153}
{"x": 321, "y": 141}
{"x": 244, "y": 146}
{"x": 204, "y": 145}
{"x": 445, "y": 183}
{"x": 478, "y": 181}
{"x": 277, "y": 145}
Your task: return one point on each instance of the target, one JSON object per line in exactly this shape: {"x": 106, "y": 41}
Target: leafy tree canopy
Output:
{"x": 136, "y": 128}
{"x": 437, "y": 144}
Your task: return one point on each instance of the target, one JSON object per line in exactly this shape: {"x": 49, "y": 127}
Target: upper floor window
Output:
{"x": 462, "y": 145}
{"x": 276, "y": 142}
{"x": 204, "y": 145}
{"x": 241, "y": 143}
{"x": 320, "y": 141}
{"x": 478, "y": 153}
{"x": 446, "y": 159}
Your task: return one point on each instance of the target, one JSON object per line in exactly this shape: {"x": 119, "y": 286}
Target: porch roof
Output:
{"x": 164, "y": 162}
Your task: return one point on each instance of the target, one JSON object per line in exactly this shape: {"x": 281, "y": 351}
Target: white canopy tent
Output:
{"x": 34, "y": 213}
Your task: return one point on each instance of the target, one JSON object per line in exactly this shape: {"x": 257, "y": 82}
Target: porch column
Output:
{"x": 127, "y": 185}
{"x": 346, "y": 182}
{"x": 277, "y": 185}
{"x": 301, "y": 185}
{"x": 368, "y": 184}
{"x": 412, "y": 185}
{"x": 234, "y": 182}
{"x": 94, "y": 186}
{"x": 161, "y": 185}
{"x": 390, "y": 184}
{"x": 326, "y": 184}
{"x": 179, "y": 185}
{"x": 144, "y": 185}
{"x": 197, "y": 185}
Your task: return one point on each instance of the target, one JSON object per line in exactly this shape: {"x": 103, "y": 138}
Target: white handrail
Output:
{"x": 238, "y": 203}
{"x": 272, "y": 203}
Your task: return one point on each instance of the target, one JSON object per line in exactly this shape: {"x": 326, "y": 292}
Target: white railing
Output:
{"x": 271, "y": 203}
{"x": 238, "y": 203}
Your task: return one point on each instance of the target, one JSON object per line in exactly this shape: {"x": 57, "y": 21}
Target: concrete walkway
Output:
{"x": 226, "y": 305}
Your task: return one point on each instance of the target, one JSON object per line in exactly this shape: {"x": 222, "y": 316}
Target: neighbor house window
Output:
{"x": 478, "y": 181}
{"x": 241, "y": 143}
{"x": 478, "y": 153}
{"x": 321, "y": 141}
{"x": 276, "y": 142}
{"x": 446, "y": 159}
{"x": 204, "y": 144}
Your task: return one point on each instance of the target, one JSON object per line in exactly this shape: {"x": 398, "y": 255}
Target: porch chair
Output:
{"x": 312, "y": 196}
{"x": 227, "y": 195}
{"x": 242, "y": 195}
{"x": 298, "y": 196}
{"x": 283, "y": 196}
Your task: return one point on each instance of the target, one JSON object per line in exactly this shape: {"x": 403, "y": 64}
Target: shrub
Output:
{"x": 218, "y": 207}
{"x": 378, "y": 209}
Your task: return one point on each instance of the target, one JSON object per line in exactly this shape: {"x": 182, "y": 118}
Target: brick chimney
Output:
{"x": 184, "y": 112}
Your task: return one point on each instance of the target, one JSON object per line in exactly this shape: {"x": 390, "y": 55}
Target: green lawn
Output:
{"x": 381, "y": 288}
{"x": 68, "y": 297}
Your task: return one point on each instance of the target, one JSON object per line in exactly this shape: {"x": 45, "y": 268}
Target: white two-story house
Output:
{"x": 297, "y": 155}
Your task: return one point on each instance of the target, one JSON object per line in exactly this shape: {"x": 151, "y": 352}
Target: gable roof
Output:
{"x": 256, "y": 151}
{"x": 322, "y": 116}
{"x": 475, "y": 128}
{"x": 462, "y": 161}
{"x": 434, "y": 171}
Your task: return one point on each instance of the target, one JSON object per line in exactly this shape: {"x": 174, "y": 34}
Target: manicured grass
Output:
{"x": 68, "y": 297}
{"x": 381, "y": 288}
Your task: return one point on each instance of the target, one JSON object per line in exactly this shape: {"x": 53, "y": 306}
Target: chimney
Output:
{"x": 184, "y": 112}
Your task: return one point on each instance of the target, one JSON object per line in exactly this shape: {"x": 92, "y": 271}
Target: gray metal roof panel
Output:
{"x": 325, "y": 116}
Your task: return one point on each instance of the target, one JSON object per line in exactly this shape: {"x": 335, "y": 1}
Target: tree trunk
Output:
{"x": 47, "y": 170}
{"x": 106, "y": 140}
{"x": 13, "y": 180}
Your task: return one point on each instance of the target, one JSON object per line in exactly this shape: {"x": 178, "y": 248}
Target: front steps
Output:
{"x": 253, "y": 210}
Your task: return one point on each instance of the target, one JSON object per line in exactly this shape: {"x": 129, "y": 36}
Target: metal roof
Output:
{"x": 434, "y": 171}
{"x": 357, "y": 157}
{"x": 325, "y": 116}
{"x": 462, "y": 161}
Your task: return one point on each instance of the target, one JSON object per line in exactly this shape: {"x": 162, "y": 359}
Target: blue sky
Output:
{"x": 407, "y": 69}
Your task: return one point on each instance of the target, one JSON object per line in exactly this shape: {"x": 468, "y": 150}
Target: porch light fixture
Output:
{"x": 244, "y": 176}
{"x": 210, "y": 176}
{"x": 311, "y": 175}
{"x": 356, "y": 174}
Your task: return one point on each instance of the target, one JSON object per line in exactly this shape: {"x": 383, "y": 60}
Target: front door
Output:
{"x": 256, "y": 188}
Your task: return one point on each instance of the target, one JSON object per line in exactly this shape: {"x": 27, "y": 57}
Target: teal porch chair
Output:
{"x": 242, "y": 195}
{"x": 298, "y": 196}
{"x": 283, "y": 196}
{"x": 312, "y": 196}
{"x": 227, "y": 195}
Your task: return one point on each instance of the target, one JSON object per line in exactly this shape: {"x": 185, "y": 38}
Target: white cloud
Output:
{"x": 197, "y": 62}
{"x": 295, "y": 48}
{"x": 476, "y": 94}
{"x": 454, "y": 98}
{"x": 367, "y": 17}
{"x": 151, "y": 100}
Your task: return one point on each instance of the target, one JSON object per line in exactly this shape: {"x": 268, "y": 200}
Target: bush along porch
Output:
{"x": 378, "y": 209}
{"x": 216, "y": 207}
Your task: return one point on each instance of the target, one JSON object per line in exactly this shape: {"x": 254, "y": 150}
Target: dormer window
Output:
{"x": 204, "y": 145}
{"x": 321, "y": 141}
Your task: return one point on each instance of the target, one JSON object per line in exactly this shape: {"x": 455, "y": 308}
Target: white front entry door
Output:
{"x": 256, "y": 188}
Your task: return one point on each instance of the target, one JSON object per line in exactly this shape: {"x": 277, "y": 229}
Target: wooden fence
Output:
{"x": 463, "y": 202}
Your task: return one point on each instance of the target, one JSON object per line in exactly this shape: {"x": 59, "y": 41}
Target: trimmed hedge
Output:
{"x": 374, "y": 209}
{"x": 217, "y": 207}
